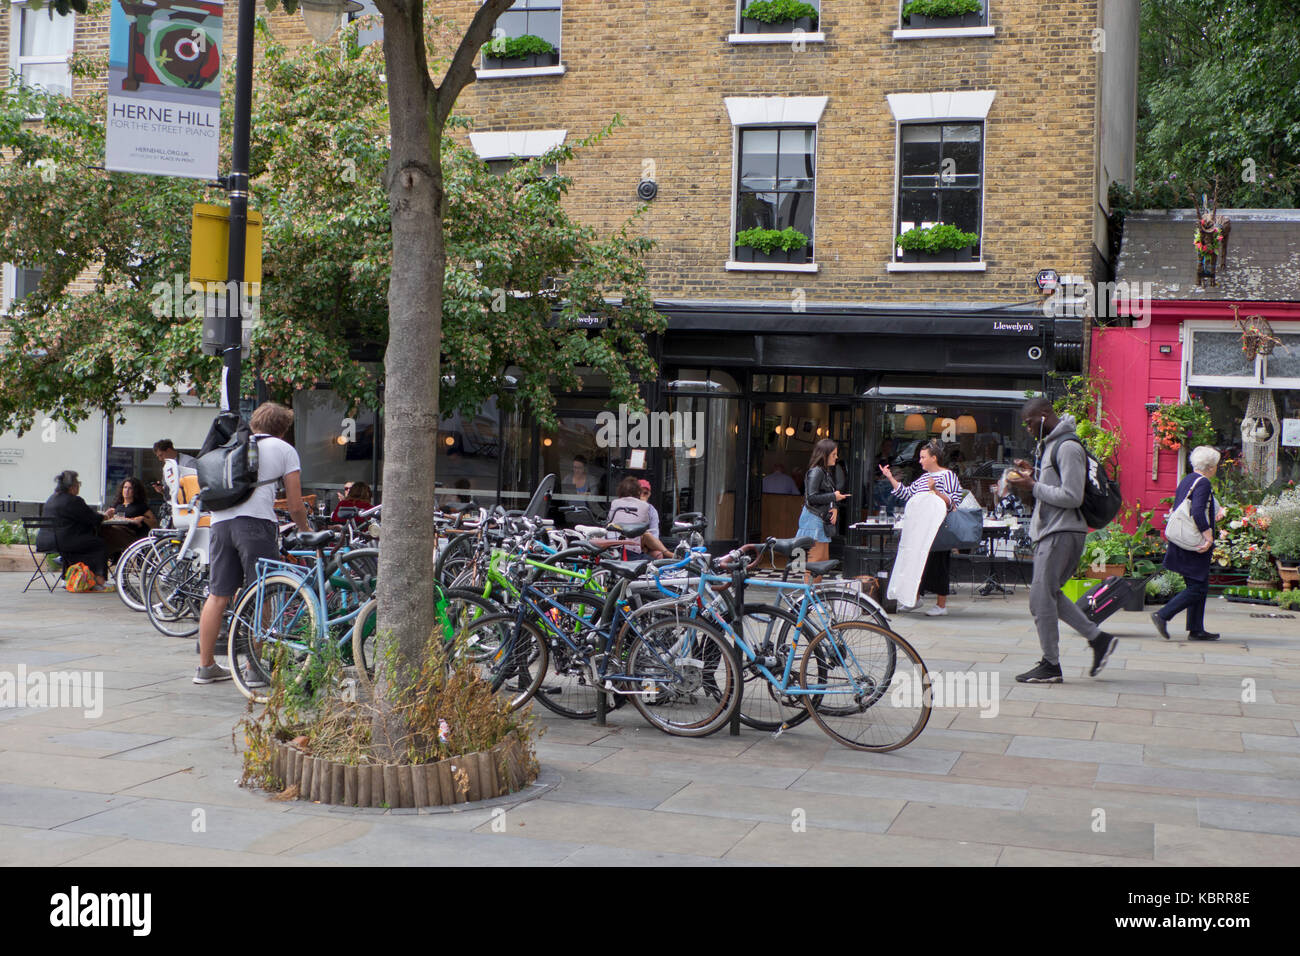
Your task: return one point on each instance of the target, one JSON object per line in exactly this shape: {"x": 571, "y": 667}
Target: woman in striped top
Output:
{"x": 942, "y": 482}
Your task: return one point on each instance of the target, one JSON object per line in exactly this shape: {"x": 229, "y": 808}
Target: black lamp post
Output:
{"x": 322, "y": 18}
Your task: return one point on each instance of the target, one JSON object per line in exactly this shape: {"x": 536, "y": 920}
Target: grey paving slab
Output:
{"x": 125, "y": 853}
{"x": 1290, "y": 745}
{"x": 1214, "y": 692}
{"x": 1169, "y": 737}
{"x": 936, "y": 790}
{"x": 1197, "y": 781}
{"x": 188, "y": 824}
{"x": 1031, "y": 856}
{"x": 47, "y": 807}
{"x": 616, "y": 789}
{"x": 779, "y": 844}
{"x": 656, "y": 764}
{"x": 966, "y": 741}
{"x": 1189, "y": 758}
{"x": 913, "y": 758}
{"x": 1249, "y": 815}
{"x": 25, "y": 846}
{"x": 1205, "y": 846}
{"x": 618, "y": 856}
{"x": 1073, "y": 832}
{"x": 577, "y": 754}
{"x": 1084, "y": 751}
{"x": 1005, "y": 768}
{"x": 1125, "y": 805}
{"x": 79, "y": 773}
{"x": 806, "y": 807}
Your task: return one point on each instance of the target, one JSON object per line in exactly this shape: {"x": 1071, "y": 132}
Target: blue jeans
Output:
{"x": 1192, "y": 599}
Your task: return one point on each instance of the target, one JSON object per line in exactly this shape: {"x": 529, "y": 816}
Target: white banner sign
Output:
{"x": 164, "y": 88}
{"x": 1291, "y": 431}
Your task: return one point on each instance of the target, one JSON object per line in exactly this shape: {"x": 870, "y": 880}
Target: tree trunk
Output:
{"x": 411, "y": 362}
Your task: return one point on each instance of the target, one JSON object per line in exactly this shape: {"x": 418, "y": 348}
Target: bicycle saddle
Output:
{"x": 786, "y": 546}
{"x": 818, "y": 568}
{"x": 347, "y": 514}
{"x": 627, "y": 569}
{"x": 311, "y": 539}
{"x": 631, "y": 530}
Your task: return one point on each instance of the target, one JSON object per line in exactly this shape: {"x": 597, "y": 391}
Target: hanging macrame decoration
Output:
{"x": 1211, "y": 239}
{"x": 1257, "y": 336}
{"x": 1259, "y": 435}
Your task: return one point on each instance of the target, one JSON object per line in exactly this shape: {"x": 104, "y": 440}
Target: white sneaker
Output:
{"x": 936, "y": 611}
{"x": 904, "y": 608}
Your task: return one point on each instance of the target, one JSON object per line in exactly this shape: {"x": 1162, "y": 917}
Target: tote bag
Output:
{"x": 963, "y": 528}
{"x": 1180, "y": 526}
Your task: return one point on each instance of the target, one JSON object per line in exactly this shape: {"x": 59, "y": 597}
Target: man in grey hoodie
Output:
{"x": 1058, "y": 531}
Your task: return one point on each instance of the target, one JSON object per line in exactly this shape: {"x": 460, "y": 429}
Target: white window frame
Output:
{"x": 750, "y": 112}
{"x": 935, "y": 33}
{"x": 556, "y": 70}
{"x": 1258, "y": 380}
{"x": 967, "y": 106}
{"x": 817, "y": 36}
{"x": 9, "y": 285}
{"x": 17, "y": 61}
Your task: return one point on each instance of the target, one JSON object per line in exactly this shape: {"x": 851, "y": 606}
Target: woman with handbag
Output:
{"x": 942, "y": 482}
{"x": 820, "y": 496}
{"x": 1189, "y": 532}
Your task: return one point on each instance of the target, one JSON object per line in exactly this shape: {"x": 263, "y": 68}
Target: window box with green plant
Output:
{"x": 943, "y": 14}
{"x": 517, "y": 53}
{"x": 778, "y": 16}
{"x": 938, "y": 243}
{"x": 773, "y": 245}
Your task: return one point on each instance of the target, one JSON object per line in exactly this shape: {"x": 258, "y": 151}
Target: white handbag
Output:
{"x": 1180, "y": 526}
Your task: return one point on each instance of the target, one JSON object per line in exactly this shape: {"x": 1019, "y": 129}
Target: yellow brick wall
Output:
{"x": 666, "y": 66}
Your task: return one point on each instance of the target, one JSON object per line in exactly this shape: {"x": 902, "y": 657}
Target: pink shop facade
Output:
{"x": 1193, "y": 347}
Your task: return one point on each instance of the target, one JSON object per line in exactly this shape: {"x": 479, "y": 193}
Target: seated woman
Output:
{"x": 632, "y": 508}
{"x": 132, "y": 505}
{"x": 76, "y": 528}
{"x": 356, "y": 494}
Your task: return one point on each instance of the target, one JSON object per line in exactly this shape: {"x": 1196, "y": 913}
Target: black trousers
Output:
{"x": 1192, "y": 598}
{"x": 934, "y": 579}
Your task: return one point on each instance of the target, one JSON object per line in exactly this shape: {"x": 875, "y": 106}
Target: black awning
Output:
{"x": 1010, "y": 322}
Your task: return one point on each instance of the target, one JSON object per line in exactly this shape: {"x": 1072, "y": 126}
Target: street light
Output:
{"x": 323, "y": 16}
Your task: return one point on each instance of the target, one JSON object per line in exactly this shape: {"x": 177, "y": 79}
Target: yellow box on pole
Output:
{"x": 210, "y": 245}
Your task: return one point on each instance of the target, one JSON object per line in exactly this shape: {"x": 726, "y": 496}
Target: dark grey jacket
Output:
{"x": 1058, "y": 494}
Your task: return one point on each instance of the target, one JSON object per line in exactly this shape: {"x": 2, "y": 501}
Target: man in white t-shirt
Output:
{"x": 248, "y": 531}
{"x": 175, "y": 464}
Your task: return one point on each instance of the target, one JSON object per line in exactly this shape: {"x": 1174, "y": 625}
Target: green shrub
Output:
{"x": 515, "y": 48}
{"x": 1289, "y": 600}
{"x": 11, "y": 532}
{"x": 936, "y": 238}
{"x": 768, "y": 240}
{"x": 778, "y": 11}
{"x": 1284, "y": 532}
{"x": 939, "y": 9}
{"x": 1165, "y": 585}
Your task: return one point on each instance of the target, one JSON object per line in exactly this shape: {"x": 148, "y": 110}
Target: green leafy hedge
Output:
{"x": 942, "y": 8}
{"x": 516, "y": 48}
{"x": 11, "y": 532}
{"x": 778, "y": 11}
{"x": 937, "y": 238}
{"x": 768, "y": 240}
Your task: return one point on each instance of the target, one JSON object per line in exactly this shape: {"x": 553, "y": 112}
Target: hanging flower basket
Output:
{"x": 1257, "y": 336}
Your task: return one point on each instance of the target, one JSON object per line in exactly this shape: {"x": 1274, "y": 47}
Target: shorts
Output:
{"x": 812, "y": 526}
{"x": 234, "y": 549}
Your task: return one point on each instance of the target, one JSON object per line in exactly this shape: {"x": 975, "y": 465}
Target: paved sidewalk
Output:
{"x": 1157, "y": 762}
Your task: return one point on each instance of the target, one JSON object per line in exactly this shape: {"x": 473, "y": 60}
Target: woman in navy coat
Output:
{"x": 1194, "y": 566}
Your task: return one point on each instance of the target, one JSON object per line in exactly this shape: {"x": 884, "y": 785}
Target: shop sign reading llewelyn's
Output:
{"x": 164, "y": 88}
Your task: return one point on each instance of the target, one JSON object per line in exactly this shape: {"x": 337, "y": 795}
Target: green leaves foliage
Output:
{"x": 778, "y": 11}
{"x": 938, "y": 9}
{"x": 512, "y": 48}
{"x": 767, "y": 241}
{"x": 937, "y": 238}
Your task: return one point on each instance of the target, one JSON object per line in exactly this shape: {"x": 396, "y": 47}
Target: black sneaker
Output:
{"x": 1103, "y": 645}
{"x": 1201, "y": 636}
{"x": 1160, "y": 623}
{"x": 1042, "y": 673}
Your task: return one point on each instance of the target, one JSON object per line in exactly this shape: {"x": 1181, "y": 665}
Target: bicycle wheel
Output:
{"x": 174, "y": 595}
{"x": 463, "y": 608}
{"x": 455, "y": 558}
{"x": 768, "y": 631}
{"x": 570, "y": 687}
{"x": 844, "y": 603}
{"x": 126, "y": 575}
{"x": 354, "y": 572}
{"x": 283, "y": 638}
{"x": 683, "y": 677}
{"x": 512, "y": 659}
{"x": 872, "y": 690}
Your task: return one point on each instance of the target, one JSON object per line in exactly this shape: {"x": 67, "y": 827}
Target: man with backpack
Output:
{"x": 245, "y": 531}
{"x": 1058, "y": 529}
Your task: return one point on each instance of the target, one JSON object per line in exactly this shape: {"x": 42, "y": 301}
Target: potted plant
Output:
{"x": 938, "y": 243}
{"x": 771, "y": 245}
{"x": 1180, "y": 424}
{"x": 1164, "y": 586}
{"x": 1284, "y": 538}
{"x": 937, "y": 14}
{"x": 778, "y": 16}
{"x": 516, "y": 53}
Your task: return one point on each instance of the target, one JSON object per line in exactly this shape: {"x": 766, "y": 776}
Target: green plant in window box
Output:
{"x": 780, "y": 11}
{"x": 768, "y": 241}
{"x": 933, "y": 13}
{"x": 518, "y": 48}
{"x": 936, "y": 240}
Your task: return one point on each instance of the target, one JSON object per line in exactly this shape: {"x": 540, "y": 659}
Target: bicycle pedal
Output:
{"x": 778, "y": 732}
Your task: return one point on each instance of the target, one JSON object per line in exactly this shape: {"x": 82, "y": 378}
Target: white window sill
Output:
{"x": 941, "y": 32}
{"x": 937, "y": 267}
{"x": 482, "y": 74}
{"x": 733, "y": 266}
{"x": 817, "y": 37}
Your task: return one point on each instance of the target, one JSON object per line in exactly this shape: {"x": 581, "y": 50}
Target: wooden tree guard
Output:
{"x": 504, "y": 769}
